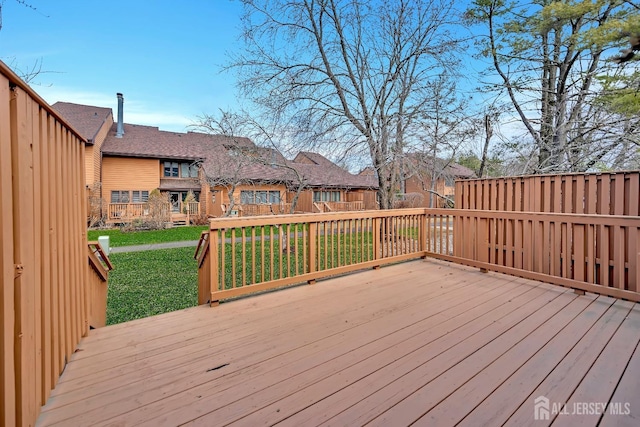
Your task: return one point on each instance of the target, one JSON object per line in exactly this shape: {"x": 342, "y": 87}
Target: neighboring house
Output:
{"x": 227, "y": 175}
{"x": 93, "y": 123}
{"x": 433, "y": 181}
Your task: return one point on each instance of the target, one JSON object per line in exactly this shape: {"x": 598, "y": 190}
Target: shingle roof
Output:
{"x": 225, "y": 158}
{"x": 86, "y": 119}
{"x": 417, "y": 162}
{"x": 319, "y": 171}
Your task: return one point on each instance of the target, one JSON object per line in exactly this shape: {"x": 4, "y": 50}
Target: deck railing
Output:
{"x": 243, "y": 255}
{"x": 129, "y": 211}
{"x": 339, "y": 206}
{"x": 100, "y": 266}
{"x": 257, "y": 209}
{"x": 592, "y": 253}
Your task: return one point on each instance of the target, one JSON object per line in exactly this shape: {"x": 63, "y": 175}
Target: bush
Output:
{"x": 410, "y": 200}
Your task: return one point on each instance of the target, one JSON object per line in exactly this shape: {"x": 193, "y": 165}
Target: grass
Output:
{"x": 151, "y": 282}
{"x": 120, "y": 238}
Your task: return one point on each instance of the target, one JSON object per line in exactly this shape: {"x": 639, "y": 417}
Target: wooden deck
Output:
{"x": 423, "y": 342}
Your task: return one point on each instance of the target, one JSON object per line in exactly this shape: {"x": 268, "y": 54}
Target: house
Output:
{"x": 225, "y": 175}
{"x": 431, "y": 183}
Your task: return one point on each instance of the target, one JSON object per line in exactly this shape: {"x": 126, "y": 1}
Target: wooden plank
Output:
{"x": 228, "y": 407}
{"x": 265, "y": 355}
{"x": 57, "y": 301}
{"x": 534, "y": 354}
{"x": 69, "y": 312}
{"x": 579, "y": 238}
{"x": 33, "y": 112}
{"x": 591, "y": 194}
{"x": 429, "y": 382}
{"x": 599, "y": 383}
{"x": 626, "y": 398}
{"x": 27, "y": 391}
{"x": 7, "y": 268}
{"x": 339, "y": 392}
{"x": 551, "y": 373}
{"x": 557, "y": 194}
{"x": 581, "y": 199}
{"x": 48, "y": 356}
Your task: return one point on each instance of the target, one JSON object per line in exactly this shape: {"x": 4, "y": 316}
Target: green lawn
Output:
{"x": 159, "y": 281}
{"x": 151, "y": 282}
{"x": 119, "y": 238}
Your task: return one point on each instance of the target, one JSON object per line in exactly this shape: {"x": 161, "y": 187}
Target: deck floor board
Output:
{"x": 422, "y": 341}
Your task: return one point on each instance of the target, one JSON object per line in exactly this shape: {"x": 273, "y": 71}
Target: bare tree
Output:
{"x": 348, "y": 73}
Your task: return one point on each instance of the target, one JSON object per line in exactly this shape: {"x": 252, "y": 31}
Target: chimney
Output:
{"x": 120, "y": 128}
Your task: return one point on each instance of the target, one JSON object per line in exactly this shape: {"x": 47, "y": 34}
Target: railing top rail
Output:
{"x": 16, "y": 80}
{"x": 549, "y": 175}
{"x": 204, "y": 237}
{"x": 575, "y": 218}
{"x": 99, "y": 259}
{"x": 222, "y": 223}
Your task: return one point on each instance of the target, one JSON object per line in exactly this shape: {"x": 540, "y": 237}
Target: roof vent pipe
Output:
{"x": 120, "y": 128}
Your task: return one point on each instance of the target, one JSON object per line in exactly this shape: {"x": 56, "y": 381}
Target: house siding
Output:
{"x": 414, "y": 185}
{"x": 125, "y": 173}
{"x": 97, "y": 145}
{"x": 89, "y": 170}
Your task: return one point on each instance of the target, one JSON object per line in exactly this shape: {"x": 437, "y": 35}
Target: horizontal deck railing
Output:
{"x": 592, "y": 253}
{"x": 243, "y": 255}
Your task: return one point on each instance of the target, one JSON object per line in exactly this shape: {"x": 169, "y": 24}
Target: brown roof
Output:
{"x": 417, "y": 162}
{"x": 226, "y": 158}
{"x": 86, "y": 119}
{"x": 319, "y": 171}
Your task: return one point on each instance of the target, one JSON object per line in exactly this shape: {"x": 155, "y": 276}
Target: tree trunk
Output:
{"x": 488, "y": 133}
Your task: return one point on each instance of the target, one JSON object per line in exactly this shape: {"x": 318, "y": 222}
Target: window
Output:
{"x": 247, "y": 197}
{"x": 119, "y": 196}
{"x": 261, "y": 197}
{"x": 250, "y": 197}
{"x": 171, "y": 169}
{"x": 326, "y": 196}
{"x": 274, "y": 197}
{"x": 140, "y": 196}
{"x": 189, "y": 170}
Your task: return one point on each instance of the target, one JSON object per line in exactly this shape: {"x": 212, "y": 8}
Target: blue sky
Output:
{"x": 164, "y": 56}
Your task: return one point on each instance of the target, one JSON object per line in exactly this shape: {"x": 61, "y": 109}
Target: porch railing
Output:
{"x": 254, "y": 209}
{"x": 129, "y": 211}
{"x": 591, "y": 253}
{"x": 339, "y": 206}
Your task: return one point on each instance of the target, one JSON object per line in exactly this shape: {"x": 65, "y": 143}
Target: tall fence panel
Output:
{"x": 610, "y": 193}
{"x": 44, "y": 303}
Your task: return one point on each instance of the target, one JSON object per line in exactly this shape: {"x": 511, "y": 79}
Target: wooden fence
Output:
{"x": 44, "y": 302}
{"x": 595, "y": 253}
{"x": 615, "y": 193}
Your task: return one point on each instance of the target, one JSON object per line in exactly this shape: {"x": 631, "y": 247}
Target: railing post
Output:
{"x": 311, "y": 261}
{"x": 482, "y": 237}
{"x": 215, "y": 266}
{"x": 376, "y": 239}
{"x": 423, "y": 233}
